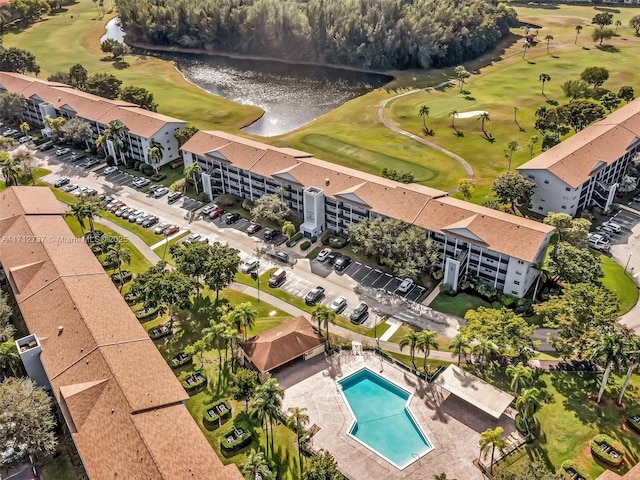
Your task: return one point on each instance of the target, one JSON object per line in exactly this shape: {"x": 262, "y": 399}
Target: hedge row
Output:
{"x": 296, "y": 237}
{"x": 635, "y": 426}
{"x": 212, "y": 421}
{"x": 305, "y": 245}
{"x": 237, "y": 442}
{"x": 598, "y": 451}
{"x": 147, "y": 312}
{"x": 570, "y": 464}
{"x": 159, "y": 332}
{"x": 194, "y": 386}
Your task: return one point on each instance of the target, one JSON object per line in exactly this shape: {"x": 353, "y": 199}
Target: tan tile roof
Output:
{"x": 138, "y": 121}
{"x": 281, "y": 344}
{"x": 633, "y": 474}
{"x": 412, "y": 203}
{"x": 577, "y": 158}
{"x": 107, "y": 375}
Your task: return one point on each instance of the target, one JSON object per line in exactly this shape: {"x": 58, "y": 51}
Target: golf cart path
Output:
{"x": 429, "y": 144}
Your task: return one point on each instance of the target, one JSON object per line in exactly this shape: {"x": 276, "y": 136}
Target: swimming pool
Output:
{"x": 382, "y": 420}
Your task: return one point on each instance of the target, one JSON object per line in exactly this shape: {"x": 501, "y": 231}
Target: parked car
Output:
{"x": 25, "y": 139}
{"x": 280, "y": 255}
{"x": 254, "y": 228}
{"x": 150, "y": 222}
{"x": 71, "y": 187}
{"x": 250, "y": 266}
{"x": 270, "y": 233}
{"x": 76, "y": 157}
{"x": 173, "y": 197}
{"x": 46, "y": 146}
{"x": 613, "y": 226}
{"x": 277, "y": 278}
{"x": 132, "y": 215}
{"x": 117, "y": 207}
{"x": 62, "y": 151}
{"x": 92, "y": 162}
{"x": 324, "y": 253}
{"x": 140, "y": 220}
{"x": 61, "y": 182}
{"x": 406, "y": 285}
{"x": 110, "y": 170}
{"x": 232, "y": 218}
{"x": 140, "y": 182}
{"x": 360, "y": 314}
{"x": 332, "y": 257}
{"x": 170, "y": 230}
{"x": 209, "y": 208}
{"x": 160, "y": 228}
{"x": 154, "y": 187}
{"x": 89, "y": 192}
{"x": 80, "y": 191}
{"x": 191, "y": 238}
{"x": 341, "y": 263}
{"x": 160, "y": 192}
{"x": 124, "y": 211}
{"x": 339, "y": 304}
{"x": 217, "y": 213}
{"x": 314, "y": 296}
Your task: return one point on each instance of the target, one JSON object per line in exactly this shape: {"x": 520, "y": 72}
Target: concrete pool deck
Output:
{"x": 453, "y": 426}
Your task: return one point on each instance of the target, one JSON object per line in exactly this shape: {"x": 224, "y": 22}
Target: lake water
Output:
{"x": 290, "y": 95}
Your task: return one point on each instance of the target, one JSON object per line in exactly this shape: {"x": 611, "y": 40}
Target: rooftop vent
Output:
{"x": 326, "y": 181}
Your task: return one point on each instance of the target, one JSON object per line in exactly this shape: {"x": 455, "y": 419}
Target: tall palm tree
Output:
{"x": 25, "y": 127}
{"x": 244, "y": 316}
{"x": 548, "y": 38}
{"x": 154, "y": 153}
{"x": 426, "y": 340}
{"x": 27, "y": 160}
{"x": 192, "y": 172}
{"x": 115, "y": 132}
{"x": 544, "y": 275}
{"x": 260, "y": 412}
{"x": 525, "y": 47}
{"x": 483, "y": 348}
{"x": 271, "y": 394}
{"x": 632, "y": 352}
{"x": 91, "y": 210}
{"x": 10, "y": 168}
{"x": 118, "y": 255}
{"x": 324, "y": 316}
{"x": 609, "y": 350}
{"x": 424, "y": 112}
{"x": 484, "y": 116}
{"x": 520, "y": 374}
{"x": 77, "y": 210}
{"x": 459, "y": 345}
{"x": 256, "y": 466}
{"x": 9, "y": 357}
{"x": 410, "y": 340}
{"x": 544, "y": 78}
{"x": 492, "y": 439}
{"x": 454, "y": 114}
{"x": 528, "y": 404}
{"x": 516, "y": 108}
{"x": 578, "y": 30}
{"x": 214, "y": 335}
{"x": 297, "y": 420}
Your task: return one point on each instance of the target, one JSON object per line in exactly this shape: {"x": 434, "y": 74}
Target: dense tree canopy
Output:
{"x": 378, "y": 34}
{"x": 571, "y": 264}
{"x": 140, "y": 96}
{"x": 18, "y": 60}
{"x": 571, "y": 230}
{"x": 513, "y": 189}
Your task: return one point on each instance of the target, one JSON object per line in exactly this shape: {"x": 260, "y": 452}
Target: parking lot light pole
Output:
{"x": 166, "y": 244}
{"x": 627, "y": 265}
{"x": 256, "y": 276}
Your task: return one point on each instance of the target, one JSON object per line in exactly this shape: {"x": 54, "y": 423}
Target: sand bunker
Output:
{"x": 471, "y": 114}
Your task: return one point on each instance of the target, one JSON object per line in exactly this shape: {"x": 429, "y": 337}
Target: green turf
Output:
{"x": 163, "y": 250}
{"x": 59, "y": 41}
{"x": 458, "y": 305}
{"x": 620, "y": 282}
{"x": 145, "y": 234}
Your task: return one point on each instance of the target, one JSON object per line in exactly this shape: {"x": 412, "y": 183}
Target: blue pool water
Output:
{"x": 382, "y": 420}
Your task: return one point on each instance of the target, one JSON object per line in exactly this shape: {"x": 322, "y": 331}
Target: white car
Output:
{"x": 62, "y": 151}
{"x": 339, "y": 304}
{"x": 80, "y": 191}
{"x": 25, "y": 139}
{"x": 249, "y": 266}
{"x": 71, "y": 188}
{"x": 406, "y": 285}
{"x": 160, "y": 228}
{"x": 324, "y": 253}
{"x": 612, "y": 226}
{"x": 110, "y": 170}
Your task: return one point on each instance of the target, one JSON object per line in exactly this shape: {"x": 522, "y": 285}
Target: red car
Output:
{"x": 117, "y": 206}
{"x": 170, "y": 230}
{"x": 218, "y": 212}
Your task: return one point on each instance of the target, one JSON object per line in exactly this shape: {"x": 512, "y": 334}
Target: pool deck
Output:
{"x": 453, "y": 426}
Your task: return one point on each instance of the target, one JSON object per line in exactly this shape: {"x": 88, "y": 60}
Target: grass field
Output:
{"x": 61, "y": 40}
{"x": 620, "y": 282}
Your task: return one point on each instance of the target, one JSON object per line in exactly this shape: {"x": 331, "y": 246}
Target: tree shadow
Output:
{"x": 459, "y": 134}
{"x": 489, "y": 138}
{"x": 108, "y": 58}
{"x": 586, "y": 48}
{"x": 530, "y": 62}
{"x": 608, "y": 48}
{"x": 553, "y": 102}
{"x": 120, "y": 64}
{"x": 470, "y": 98}
{"x": 555, "y": 56}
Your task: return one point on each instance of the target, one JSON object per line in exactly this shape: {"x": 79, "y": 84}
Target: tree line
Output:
{"x": 376, "y": 34}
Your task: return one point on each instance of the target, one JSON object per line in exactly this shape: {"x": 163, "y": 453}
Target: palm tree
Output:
{"x": 298, "y": 419}
{"x": 27, "y": 160}
{"x": 214, "y": 335}
{"x": 192, "y": 172}
{"x": 454, "y": 114}
{"x": 77, "y": 210}
{"x": 324, "y": 316}
{"x": 492, "y": 439}
{"x": 154, "y": 154}
{"x": 288, "y": 229}
{"x": 232, "y": 339}
{"x": 115, "y": 132}
{"x": 520, "y": 374}
{"x": 609, "y": 349}
{"x": 528, "y": 404}
{"x": 424, "y": 112}
{"x": 91, "y": 210}
{"x": 459, "y": 345}
{"x": 512, "y": 146}
{"x": 410, "y": 340}
{"x": 426, "y": 340}
{"x": 244, "y": 316}
{"x": 548, "y": 38}
{"x": 578, "y": 30}
{"x": 9, "y": 357}
{"x": 118, "y": 255}
{"x": 256, "y": 465}
{"x": 272, "y": 394}
{"x": 10, "y": 168}
{"x": 25, "y": 127}
{"x": 260, "y": 412}
{"x": 515, "y": 113}
{"x": 618, "y": 23}
{"x": 484, "y": 116}
{"x": 483, "y": 348}
{"x": 525, "y": 47}
{"x": 633, "y": 360}
{"x": 544, "y": 275}
{"x": 544, "y": 78}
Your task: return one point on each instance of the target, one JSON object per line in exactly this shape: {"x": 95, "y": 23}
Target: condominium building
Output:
{"x": 501, "y": 249}
{"x": 584, "y": 170}
{"x": 143, "y": 128}
{"x": 122, "y": 404}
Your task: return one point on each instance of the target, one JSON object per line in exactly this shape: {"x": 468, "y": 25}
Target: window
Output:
{"x": 540, "y": 208}
{"x": 531, "y": 177}
{"x": 516, "y": 282}
{"x": 513, "y": 292}
{"x": 564, "y": 207}
{"x": 518, "y": 273}
{"x": 547, "y": 182}
{"x": 567, "y": 189}
{"x": 542, "y": 199}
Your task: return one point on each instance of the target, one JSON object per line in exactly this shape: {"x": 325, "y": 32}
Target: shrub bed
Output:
{"x": 159, "y": 332}
{"x": 214, "y": 413}
{"x": 334, "y": 240}
{"x": 606, "y": 449}
{"x": 236, "y": 437}
{"x": 572, "y": 471}
{"x": 305, "y": 245}
{"x": 146, "y": 312}
{"x": 194, "y": 381}
{"x": 180, "y": 359}
{"x": 130, "y": 297}
{"x": 633, "y": 420}
{"x": 176, "y": 164}
{"x": 158, "y": 178}
{"x": 126, "y": 276}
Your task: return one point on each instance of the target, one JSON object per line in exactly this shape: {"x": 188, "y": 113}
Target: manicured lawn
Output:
{"x": 616, "y": 280}
{"x": 419, "y": 359}
{"x": 59, "y": 41}
{"x": 146, "y": 235}
{"x": 458, "y": 305}
{"x": 160, "y": 251}
{"x": 443, "y": 342}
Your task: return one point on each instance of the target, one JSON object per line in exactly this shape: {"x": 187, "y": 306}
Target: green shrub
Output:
{"x": 226, "y": 200}
{"x": 131, "y": 297}
{"x": 146, "y": 312}
{"x": 447, "y": 290}
{"x": 126, "y": 276}
{"x": 136, "y": 165}
{"x": 438, "y": 275}
{"x": 314, "y": 239}
{"x": 158, "y": 178}
{"x": 214, "y": 419}
{"x": 296, "y": 236}
{"x": 599, "y": 452}
{"x": 230, "y": 441}
{"x": 305, "y": 245}
{"x": 635, "y": 426}
{"x": 524, "y": 307}
{"x": 193, "y": 381}
{"x": 571, "y": 465}
{"x": 159, "y": 332}
{"x": 247, "y": 204}
{"x": 110, "y": 161}
{"x": 507, "y": 300}
{"x": 147, "y": 169}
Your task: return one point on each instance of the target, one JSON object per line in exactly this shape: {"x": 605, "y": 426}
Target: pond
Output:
{"x": 291, "y": 95}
